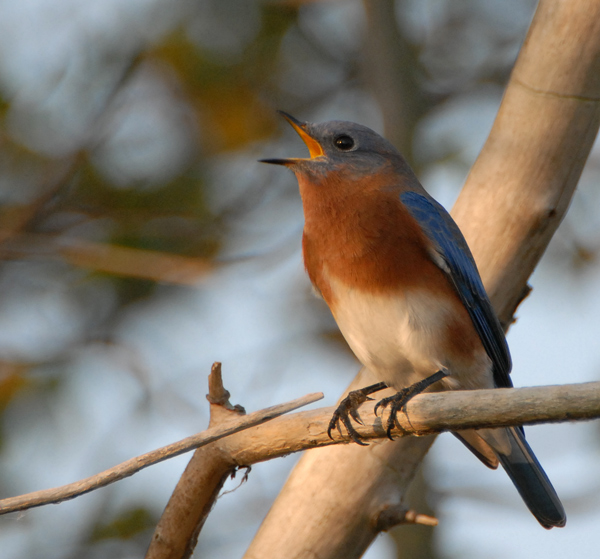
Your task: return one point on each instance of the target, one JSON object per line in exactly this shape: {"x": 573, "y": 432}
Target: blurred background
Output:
{"x": 140, "y": 241}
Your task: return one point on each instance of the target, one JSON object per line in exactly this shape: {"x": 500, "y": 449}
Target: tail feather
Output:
{"x": 473, "y": 441}
{"x": 529, "y": 478}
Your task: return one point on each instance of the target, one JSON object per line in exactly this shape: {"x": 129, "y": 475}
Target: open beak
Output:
{"x": 314, "y": 147}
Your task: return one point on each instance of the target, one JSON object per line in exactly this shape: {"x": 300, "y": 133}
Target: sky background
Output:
{"x": 138, "y": 124}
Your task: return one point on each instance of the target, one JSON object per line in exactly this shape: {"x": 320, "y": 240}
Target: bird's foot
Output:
{"x": 401, "y": 398}
{"x": 348, "y": 408}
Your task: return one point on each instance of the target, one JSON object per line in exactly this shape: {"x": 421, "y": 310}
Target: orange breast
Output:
{"x": 363, "y": 235}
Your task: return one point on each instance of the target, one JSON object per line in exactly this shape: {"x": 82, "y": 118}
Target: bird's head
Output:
{"x": 339, "y": 147}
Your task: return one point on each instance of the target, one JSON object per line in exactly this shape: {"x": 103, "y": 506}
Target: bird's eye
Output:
{"x": 344, "y": 142}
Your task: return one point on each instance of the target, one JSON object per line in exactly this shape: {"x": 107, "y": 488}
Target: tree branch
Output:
{"x": 130, "y": 467}
{"x": 425, "y": 414}
{"x": 176, "y": 534}
{"x": 258, "y": 436}
{"x": 521, "y": 185}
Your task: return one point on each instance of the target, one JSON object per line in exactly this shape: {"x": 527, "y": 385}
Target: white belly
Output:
{"x": 400, "y": 338}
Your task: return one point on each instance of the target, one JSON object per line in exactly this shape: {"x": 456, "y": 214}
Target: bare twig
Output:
{"x": 394, "y": 515}
{"x": 130, "y": 467}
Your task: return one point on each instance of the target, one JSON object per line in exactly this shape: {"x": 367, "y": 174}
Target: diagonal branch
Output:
{"x": 134, "y": 465}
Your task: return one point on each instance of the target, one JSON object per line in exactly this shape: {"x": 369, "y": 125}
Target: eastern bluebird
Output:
{"x": 404, "y": 289}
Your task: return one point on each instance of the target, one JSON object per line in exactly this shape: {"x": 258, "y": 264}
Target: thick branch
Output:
{"x": 176, "y": 533}
{"x": 425, "y": 414}
{"x": 521, "y": 185}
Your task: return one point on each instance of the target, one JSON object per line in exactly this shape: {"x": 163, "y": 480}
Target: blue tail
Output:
{"x": 531, "y": 481}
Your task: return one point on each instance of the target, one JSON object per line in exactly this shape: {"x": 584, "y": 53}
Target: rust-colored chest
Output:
{"x": 363, "y": 236}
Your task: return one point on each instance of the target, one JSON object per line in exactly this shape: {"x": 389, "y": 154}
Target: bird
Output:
{"x": 404, "y": 290}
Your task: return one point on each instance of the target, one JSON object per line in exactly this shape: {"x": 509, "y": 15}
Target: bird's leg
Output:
{"x": 349, "y": 407}
{"x": 401, "y": 398}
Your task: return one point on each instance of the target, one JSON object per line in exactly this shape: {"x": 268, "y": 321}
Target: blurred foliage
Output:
{"x": 231, "y": 100}
{"x": 128, "y": 524}
{"x": 12, "y": 381}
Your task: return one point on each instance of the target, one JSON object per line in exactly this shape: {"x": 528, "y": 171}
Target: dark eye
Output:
{"x": 344, "y": 142}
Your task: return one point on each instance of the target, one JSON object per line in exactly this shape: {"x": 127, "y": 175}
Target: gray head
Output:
{"x": 340, "y": 146}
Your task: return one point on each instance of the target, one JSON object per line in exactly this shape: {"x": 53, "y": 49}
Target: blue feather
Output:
{"x": 449, "y": 242}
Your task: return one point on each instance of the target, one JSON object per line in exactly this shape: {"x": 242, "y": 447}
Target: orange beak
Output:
{"x": 314, "y": 147}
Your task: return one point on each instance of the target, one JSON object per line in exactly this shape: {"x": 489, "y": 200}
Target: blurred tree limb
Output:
{"x": 58, "y": 173}
{"x": 110, "y": 258}
{"x": 514, "y": 199}
{"x": 394, "y": 79}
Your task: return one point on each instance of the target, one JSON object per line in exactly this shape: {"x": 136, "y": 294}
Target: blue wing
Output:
{"x": 452, "y": 247}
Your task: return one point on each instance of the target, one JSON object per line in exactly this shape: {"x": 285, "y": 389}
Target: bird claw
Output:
{"x": 354, "y": 414}
{"x": 347, "y": 408}
{"x": 382, "y": 404}
{"x": 398, "y": 401}
{"x": 402, "y": 397}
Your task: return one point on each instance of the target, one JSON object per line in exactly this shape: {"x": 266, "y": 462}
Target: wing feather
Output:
{"x": 458, "y": 263}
